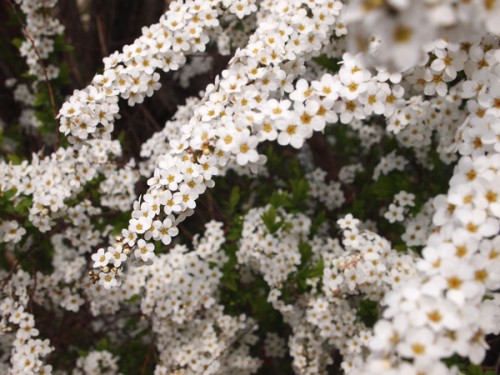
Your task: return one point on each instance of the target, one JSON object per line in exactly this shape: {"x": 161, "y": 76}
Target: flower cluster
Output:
{"x": 42, "y": 28}
{"x": 449, "y": 308}
{"x": 131, "y": 74}
{"x": 27, "y": 350}
{"x": 228, "y": 123}
{"x": 347, "y": 173}
{"x": 274, "y": 255}
{"x": 400, "y": 42}
{"x": 364, "y": 268}
{"x": 417, "y": 84}
{"x": 49, "y": 181}
{"x": 396, "y": 209}
{"x": 181, "y": 300}
{"x": 101, "y": 362}
{"x": 418, "y": 228}
{"x": 330, "y": 194}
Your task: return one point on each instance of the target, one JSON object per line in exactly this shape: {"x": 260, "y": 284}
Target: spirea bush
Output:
{"x": 328, "y": 203}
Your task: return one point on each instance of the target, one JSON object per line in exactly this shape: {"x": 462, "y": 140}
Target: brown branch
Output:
{"x": 150, "y": 118}
{"x": 147, "y": 359}
{"x": 146, "y": 362}
{"x": 70, "y": 59}
{"x": 14, "y": 268}
{"x": 213, "y": 208}
{"x": 185, "y": 232}
{"x": 33, "y": 290}
{"x": 101, "y": 32}
{"x": 322, "y": 155}
{"x": 10, "y": 257}
{"x": 42, "y": 65}
{"x": 70, "y": 17}
{"x": 324, "y": 159}
{"x": 234, "y": 341}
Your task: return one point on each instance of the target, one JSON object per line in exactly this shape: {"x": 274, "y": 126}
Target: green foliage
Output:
{"x": 272, "y": 221}
{"x": 22, "y": 208}
{"x": 300, "y": 192}
{"x": 234, "y": 198}
{"x": 330, "y": 64}
{"x": 17, "y": 42}
{"x": 368, "y": 312}
{"x": 135, "y": 357}
{"x": 307, "y": 270}
{"x": 472, "y": 369}
{"x": 229, "y": 271}
{"x": 14, "y": 159}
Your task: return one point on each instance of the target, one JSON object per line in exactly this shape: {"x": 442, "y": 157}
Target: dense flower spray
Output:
{"x": 417, "y": 81}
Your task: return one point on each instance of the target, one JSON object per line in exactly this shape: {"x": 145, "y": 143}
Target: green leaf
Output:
{"x": 135, "y": 298}
{"x": 63, "y": 74}
{"x": 328, "y": 63}
{"x": 6, "y": 196}
{"x": 234, "y": 198}
{"x": 269, "y": 220}
{"x": 300, "y": 190}
{"x": 230, "y": 282}
{"x": 67, "y": 48}
{"x": 102, "y": 344}
{"x": 472, "y": 369}
{"x": 387, "y": 186}
{"x": 401, "y": 248}
{"x": 17, "y": 42}
{"x": 305, "y": 252}
{"x": 316, "y": 270}
{"x": 14, "y": 159}
{"x": 24, "y": 205}
{"x": 317, "y": 221}
{"x": 279, "y": 200}
{"x": 368, "y": 312}
{"x": 61, "y": 45}
{"x": 40, "y": 99}
{"x": 121, "y": 136}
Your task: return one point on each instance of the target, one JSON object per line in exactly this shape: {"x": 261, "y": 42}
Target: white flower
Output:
{"x": 328, "y": 87}
{"x": 101, "y": 258}
{"x": 404, "y": 198}
{"x": 11, "y": 231}
{"x": 308, "y": 116}
{"x": 116, "y": 255}
{"x": 394, "y": 213}
{"x": 144, "y": 251}
{"x": 302, "y": 91}
{"x": 167, "y": 231}
{"x": 108, "y": 280}
{"x": 290, "y": 131}
{"x": 419, "y": 343}
{"x": 246, "y": 149}
{"x": 348, "y": 222}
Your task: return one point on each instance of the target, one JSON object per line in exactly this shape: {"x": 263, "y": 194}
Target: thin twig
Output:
{"x": 146, "y": 362}
{"x": 185, "y": 232}
{"x": 234, "y": 341}
{"x": 72, "y": 68}
{"x": 101, "y": 33}
{"x": 150, "y": 118}
{"x": 14, "y": 267}
{"x": 42, "y": 65}
{"x": 33, "y": 290}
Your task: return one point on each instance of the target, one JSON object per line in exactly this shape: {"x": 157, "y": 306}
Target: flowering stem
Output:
{"x": 42, "y": 65}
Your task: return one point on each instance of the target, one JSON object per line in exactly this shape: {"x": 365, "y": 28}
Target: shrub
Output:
{"x": 328, "y": 203}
